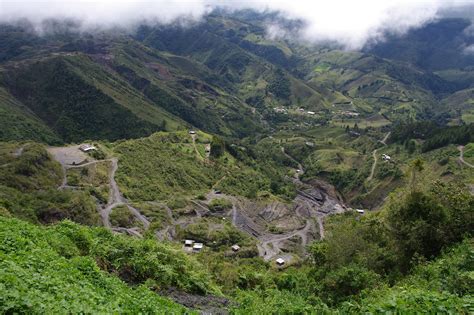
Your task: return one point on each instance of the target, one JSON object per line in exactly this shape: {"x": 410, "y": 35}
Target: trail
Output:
{"x": 461, "y": 157}
{"x": 300, "y": 166}
{"x": 317, "y": 205}
{"x": 66, "y": 167}
{"x": 269, "y": 248}
{"x": 374, "y": 154}
{"x": 372, "y": 170}
{"x": 116, "y": 199}
{"x": 384, "y": 140}
{"x": 321, "y": 227}
{"x": 195, "y": 148}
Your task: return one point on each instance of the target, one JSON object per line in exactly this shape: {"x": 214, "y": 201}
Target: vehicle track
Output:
{"x": 374, "y": 155}
{"x": 115, "y": 197}
{"x": 461, "y": 157}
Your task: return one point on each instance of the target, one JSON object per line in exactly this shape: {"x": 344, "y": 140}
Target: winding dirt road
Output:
{"x": 198, "y": 154}
{"x": 461, "y": 157}
{"x": 374, "y": 155}
{"x": 318, "y": 206}
{"x": 116, "y": 199}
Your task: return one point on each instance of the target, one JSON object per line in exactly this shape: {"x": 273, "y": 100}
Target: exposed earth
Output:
{"x": 294, "y": 224}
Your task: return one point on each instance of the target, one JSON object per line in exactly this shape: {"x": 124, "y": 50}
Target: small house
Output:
{"x": 386, "y": 157}
{"x": 192, "y": 132}
{"x": 280, "y": 261}
{"x": 188, "y": 243}
{"x": 311, "y": 113}
{"x": 360, "y": 211}
{"x": 86, "y": 147}
{"x": 235, "y": 248}
{"x": 197, "y": 247}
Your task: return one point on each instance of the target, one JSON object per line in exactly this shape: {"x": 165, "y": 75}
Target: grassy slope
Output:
{"x": 165, "y": 166}
{"x": 121, "y": 92}
{"x": 28, "y": 187}
{"x": 374, "y": 85}
{"x": 58, "y": 269}
{"x": 72, "y": 107}
{"x": 18, "y": 123}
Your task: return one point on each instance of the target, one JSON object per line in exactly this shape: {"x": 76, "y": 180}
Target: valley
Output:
{"x": 210, "y": 168}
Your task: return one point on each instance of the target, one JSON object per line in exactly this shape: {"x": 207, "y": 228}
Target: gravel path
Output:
{"x": 461, "y": 157}
{"x": 374, "y": 155}
{"x": 68, "y": 157}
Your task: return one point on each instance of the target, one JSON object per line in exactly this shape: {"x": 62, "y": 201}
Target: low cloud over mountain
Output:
{"x": 350, "y": 23}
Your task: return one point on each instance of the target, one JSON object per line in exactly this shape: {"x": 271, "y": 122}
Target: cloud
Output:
{"x": 469, "y": 50}
{"x": 350, "y": 22}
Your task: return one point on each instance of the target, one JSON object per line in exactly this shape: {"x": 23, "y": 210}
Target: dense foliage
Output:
{"x": 69, "y": 269}
{"x": 28, "y": 187}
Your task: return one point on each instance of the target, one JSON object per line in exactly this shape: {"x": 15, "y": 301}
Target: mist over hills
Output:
{"x": 225, "y": 67}
{"x": 247, "y": 158}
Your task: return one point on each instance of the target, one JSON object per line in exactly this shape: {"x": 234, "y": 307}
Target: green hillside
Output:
{"x": 68, "y": 268}
{"x": 19, "y": 123}
{"x": 211, "y": 167}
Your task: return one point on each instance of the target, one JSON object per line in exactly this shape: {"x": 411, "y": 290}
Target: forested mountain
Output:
{"x": 208, "y": 166}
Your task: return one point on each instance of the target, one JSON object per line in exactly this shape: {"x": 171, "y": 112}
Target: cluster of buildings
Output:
{"x": 191, "y": 245}
{"x": 195, "y": 247}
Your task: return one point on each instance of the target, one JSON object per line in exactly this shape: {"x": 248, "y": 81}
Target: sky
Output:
{"x": 351, "y": 23}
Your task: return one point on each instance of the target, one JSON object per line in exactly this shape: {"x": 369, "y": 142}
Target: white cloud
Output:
{"x": 350, "y": 22}
{"x": 469, "y": 50}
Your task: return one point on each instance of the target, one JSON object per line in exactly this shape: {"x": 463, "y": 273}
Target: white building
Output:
{"x": 86, "y": 147}
{"x": 235, "y": 248}
{"x": 280, "y": 261}
{"x": 188, "y": 243}
{"x": 198, "y": 246}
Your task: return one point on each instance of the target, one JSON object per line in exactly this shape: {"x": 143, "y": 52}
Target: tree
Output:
{"x": 417, "y": 223}
{"x": 217, "y": 147}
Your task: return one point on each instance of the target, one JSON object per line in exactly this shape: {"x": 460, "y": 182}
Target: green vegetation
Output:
{"x": 28, "y": 187}
{"x": 74, "y": 109}
{"x": 19, "y": 124}
{"x": 123, "y": 217}
{"x": 69, "y": 268}
{"x": 280, "y": 118}
{"x": 165, "y": 166}
{"x": 220, "y": 204}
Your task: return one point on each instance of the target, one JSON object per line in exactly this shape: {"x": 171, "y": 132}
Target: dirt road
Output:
{"x": 372, "y": 170}
{"x": 198, "y": 154}
{"x": 461, "y": 157}
{"x": 72, "y": 157}
{"x": 116, "y": 199}
{"x": 374, "y": 155}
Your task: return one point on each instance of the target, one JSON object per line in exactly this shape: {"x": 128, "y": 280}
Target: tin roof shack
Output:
{"x": 192, "y": 132}
{"x": 197, "y": 247}
{"x": 360, "y": 211}
{"x": 386, "y": 157}
{"x": 235, "y": 248}
{"x": 87, "y": 147}
{"x": 188, "y": 243}
{"x": 280, "y": 262}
